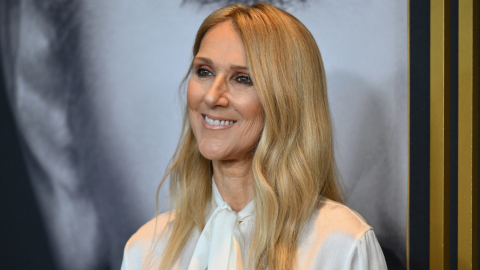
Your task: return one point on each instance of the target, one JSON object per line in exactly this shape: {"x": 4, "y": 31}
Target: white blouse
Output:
{"x": 335, "y": 238}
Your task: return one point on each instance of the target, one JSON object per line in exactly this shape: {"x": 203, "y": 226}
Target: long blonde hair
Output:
{"x": 293, "y": 165}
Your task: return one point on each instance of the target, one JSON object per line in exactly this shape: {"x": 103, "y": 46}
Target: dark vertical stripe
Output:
{"x": 23, "y": 242}
{"x": 419, "y": 199}
{"x": 453, "y": 134}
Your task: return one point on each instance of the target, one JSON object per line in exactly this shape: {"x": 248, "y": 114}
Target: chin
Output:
{"x": 211, "y": 154}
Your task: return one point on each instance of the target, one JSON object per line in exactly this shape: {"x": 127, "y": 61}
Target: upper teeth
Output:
{"x": 217, "y": 122}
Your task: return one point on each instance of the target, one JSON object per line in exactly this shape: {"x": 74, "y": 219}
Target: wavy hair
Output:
{"x": 293, "y": 165}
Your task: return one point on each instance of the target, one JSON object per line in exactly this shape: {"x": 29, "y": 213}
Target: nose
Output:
{"x": 216, "y": 94}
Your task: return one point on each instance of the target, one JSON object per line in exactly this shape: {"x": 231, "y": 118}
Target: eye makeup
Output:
{"x": 243, "y": 79}
{"x": 204, "y": 71}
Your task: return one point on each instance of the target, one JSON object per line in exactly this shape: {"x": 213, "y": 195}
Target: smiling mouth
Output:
{"x": 218, "y": 122}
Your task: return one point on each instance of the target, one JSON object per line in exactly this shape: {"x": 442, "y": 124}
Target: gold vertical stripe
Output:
{"x": 439, "y": 134}
{"x": 468, "y": 134}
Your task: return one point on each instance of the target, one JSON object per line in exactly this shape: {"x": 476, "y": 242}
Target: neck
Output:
{"x": 234, "y": 182}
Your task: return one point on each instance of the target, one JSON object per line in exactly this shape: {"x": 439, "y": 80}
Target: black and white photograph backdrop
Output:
{"x": 92, "y": 91}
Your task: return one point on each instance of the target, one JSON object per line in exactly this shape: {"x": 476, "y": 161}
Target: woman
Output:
{"x": 253, "y": 179}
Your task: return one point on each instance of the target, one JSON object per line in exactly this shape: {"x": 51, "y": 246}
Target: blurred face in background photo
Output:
{"x": 225, "y": 111}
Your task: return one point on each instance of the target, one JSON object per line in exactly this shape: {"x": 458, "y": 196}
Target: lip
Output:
{"x": 207, "y": 125}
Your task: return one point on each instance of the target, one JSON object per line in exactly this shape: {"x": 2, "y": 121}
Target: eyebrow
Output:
{"x": 238, "y": 68}
{"x": 210, "y": 62}
{"x": 206, "y": 60}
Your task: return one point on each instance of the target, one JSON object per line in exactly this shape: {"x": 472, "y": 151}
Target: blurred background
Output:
{"x": 91, "y": 114}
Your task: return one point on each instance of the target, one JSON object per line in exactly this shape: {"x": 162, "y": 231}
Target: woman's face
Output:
{"x": 225, "y": 112}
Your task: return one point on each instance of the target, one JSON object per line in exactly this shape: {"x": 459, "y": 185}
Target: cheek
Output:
{"x": 194, "y": 99}
{"x": 252, "y": 111}
{"x": 251, "y": 133}
{"x": 255, "y": 128}
{"x": 194, "y": 95}
{"x": 258, "y": 118}
{"x": 251, "y": 107}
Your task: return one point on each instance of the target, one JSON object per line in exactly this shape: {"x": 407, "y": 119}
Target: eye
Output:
{"x": 203, "y": 72}
{"x": 243, "y": 79}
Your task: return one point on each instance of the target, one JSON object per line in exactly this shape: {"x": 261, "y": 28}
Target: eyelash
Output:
{"x": 248, "y": 81}
{"x": 242, "y": 76}
{"x": 201, "y": 69}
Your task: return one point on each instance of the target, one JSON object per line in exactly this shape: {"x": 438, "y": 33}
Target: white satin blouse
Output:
{"x": 335, "y": 238}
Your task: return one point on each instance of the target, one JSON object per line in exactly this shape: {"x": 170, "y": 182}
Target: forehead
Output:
{"x": 223, "y": 41}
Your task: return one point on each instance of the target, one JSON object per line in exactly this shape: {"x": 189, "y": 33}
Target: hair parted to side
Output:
{"x": 293, "y": 165}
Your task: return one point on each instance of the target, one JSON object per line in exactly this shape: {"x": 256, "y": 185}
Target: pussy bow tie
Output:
{"x": 215, "y": 247}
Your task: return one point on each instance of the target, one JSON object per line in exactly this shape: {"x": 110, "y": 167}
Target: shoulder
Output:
{"x": 138, "y": 247}
{"x": 153, "y": 229}
{"x": 337, "y": 237}
{"x": 334, "y": 217}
